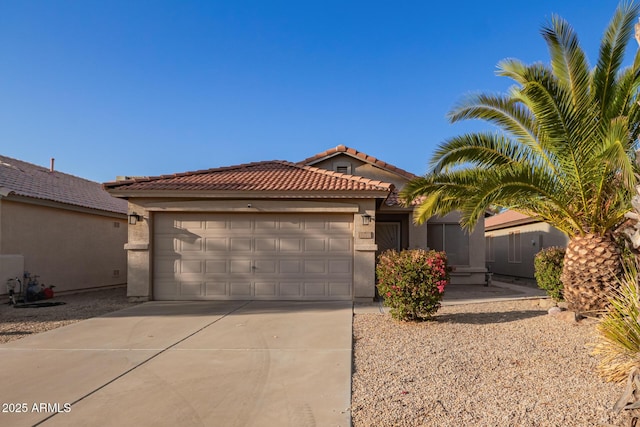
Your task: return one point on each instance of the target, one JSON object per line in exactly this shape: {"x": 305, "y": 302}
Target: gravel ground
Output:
{"x": 490, "y": 364}
{"x": 16, "y": 323}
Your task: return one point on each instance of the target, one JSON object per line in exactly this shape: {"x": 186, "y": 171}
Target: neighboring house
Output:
{"x": 278, "y": 230}
{"x": 65, "y": 229}
{"x": 512, "y": 240}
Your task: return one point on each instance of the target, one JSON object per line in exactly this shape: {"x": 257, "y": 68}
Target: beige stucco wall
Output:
{"x": 474, "y": 274}
{"x": 140, "y": 244}
{"x": 417, "y": 234}
{"x": 417, "y": 238}
{"x": 71, "y": 249}
{"x": 360, "y": 168}
{"x": 531, "y": 235}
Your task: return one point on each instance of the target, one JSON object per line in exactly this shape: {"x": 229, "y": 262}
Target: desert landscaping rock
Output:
{"x": 16, "y": 323}
{"x": 554, "y": 311}
{"x": 490, "y": 364}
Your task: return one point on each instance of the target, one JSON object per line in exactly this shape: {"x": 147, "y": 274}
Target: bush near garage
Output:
{"x": 547, "y": 270}
{"x": 412, "y": 282}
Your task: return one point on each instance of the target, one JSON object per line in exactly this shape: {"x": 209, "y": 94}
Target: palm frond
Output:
{"x": 611, "y": 54}
{"x": 568, "y": 60}
{"x": 483, "y": 150}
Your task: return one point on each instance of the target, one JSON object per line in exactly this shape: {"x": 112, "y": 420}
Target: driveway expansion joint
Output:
{"x": 128, "y": 371}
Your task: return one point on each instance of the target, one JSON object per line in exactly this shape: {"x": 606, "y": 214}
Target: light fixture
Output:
{"x": 134, "y": 218}
{"x": 366, "y": 219}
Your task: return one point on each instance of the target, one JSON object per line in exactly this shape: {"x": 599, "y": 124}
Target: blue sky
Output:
{"x": 155, "y": 87}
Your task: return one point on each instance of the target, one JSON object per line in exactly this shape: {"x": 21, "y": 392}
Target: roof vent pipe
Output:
{"x": 51, "y": 166}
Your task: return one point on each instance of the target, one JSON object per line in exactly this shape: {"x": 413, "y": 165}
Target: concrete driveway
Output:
{"x": 188, "y": 364}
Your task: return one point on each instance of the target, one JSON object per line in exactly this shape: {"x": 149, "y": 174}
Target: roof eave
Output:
{"x": 339, "y": 194}
{"x": 509, "y": 224}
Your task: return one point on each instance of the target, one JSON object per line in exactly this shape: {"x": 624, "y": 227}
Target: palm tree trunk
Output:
{"x": 592, "y": 264}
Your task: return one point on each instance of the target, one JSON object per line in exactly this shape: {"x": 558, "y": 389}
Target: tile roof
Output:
{"x": 358, "y": 155}
{"x": 29, "y": 180}
{"x": 275, "y": 175}
{"x": 394, "y": 199}
{"x": 507, "y": 219}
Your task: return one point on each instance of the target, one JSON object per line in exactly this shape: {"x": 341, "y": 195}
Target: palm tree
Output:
{"x": 564, "y": 153}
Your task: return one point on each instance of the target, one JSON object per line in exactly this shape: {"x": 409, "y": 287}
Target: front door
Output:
{"x": 387, "y": 236}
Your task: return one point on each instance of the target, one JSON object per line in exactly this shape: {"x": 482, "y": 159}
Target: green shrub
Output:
{"x": 412, "y": 282}
{"x": 548, "y": 267}
{"x": 618, "y": 342}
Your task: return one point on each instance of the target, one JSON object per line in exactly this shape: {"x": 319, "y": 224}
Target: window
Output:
{"x": 514, "y": 247}
{"x": 343, "y": 167}
{"x": 451, "y": 239}
{"x": 488, "y": 247}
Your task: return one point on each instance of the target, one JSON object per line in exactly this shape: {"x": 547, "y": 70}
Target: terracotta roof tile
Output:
{"x": 29, "y": 180}
{"x": 276, "y": 175}
{"x": 359, "y": 155}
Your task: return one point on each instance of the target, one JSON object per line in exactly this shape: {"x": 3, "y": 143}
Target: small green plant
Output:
{"x": 412, "y": 282}
{"x": 548, "y": 268}
{"x": 618, "y": 342}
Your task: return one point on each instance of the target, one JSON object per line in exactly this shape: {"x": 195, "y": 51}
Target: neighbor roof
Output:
{"x": 506, "y": 219}
{"x": 29, "y": 180}
{"x": 341, "y": 149}
{"x": 275, "y": 175}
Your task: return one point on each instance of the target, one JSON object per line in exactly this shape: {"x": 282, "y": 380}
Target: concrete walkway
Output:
{"x": 185, "y": 364}
{"x": 470, "y": 294}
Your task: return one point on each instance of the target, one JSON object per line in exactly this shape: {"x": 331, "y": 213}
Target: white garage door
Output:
{"x": 253, "y": 256}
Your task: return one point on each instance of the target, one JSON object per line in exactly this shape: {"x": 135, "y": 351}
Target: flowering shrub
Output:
{"x": 548, "y": 267}
{"x": 412, "y": 282}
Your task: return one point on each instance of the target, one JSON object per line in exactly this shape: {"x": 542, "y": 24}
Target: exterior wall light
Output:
{"x": 366, "y": 219}
{"x": 134, "y": 218}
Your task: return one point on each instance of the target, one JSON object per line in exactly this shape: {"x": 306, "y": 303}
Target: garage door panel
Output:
{"x": 266, "y": 244}
{"x": 266, "y": 289}
{"x": 266, "y": 266}
{"x": 240, "y": 244}
{"x": 315, "y": 245}
{"x": 216, "y": 244}
{"x": 315, "y": 224}
{"x": 266, "y": 225}
{"x": 166, "y": 268}
{"x": 216, "y": 289}
{"x": 253, "y": 256}
{"x": 240, "y": 224}
{"x": 290, "y": 224}
{"x": 216, "y": 225}
{"x": 339, "y": 225}
{"x": 317, "y": 266}
{"x": 190, "y": 245}
{"x": 291, "y": 289}
{"x": 290, "y": 245}
{"x": 191, "y": 266}
{"x": 240, "y": 266}
{"x": 190, "y": 225}
{"x": 315, "y": 289}
{"x": 339, "y": 266}
{"x": 240, "y": 289}
{"x": 216, "y": 266}
{"x": 165, "y": 243}
{"x": 290, "y": 266}
{"x": 339, "y": 245}
{"x": 191, "y": 289}
{"x": 340, "y": 289}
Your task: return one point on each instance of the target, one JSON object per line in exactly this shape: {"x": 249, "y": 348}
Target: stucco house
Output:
{"x": 513, "y": 239}
{"x": 65, "y": 229}
{"x": 278, "y": 230}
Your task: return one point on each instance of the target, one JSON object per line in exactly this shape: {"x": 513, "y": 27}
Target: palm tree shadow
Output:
{"x": 489, "y": 317}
